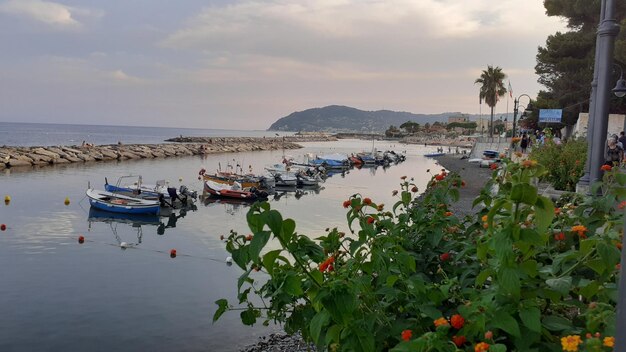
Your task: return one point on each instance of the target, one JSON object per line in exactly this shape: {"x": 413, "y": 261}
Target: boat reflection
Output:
{"x": 232, "y": 206}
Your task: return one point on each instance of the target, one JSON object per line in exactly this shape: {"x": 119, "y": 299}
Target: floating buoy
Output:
{"x": 3, "y": 227}
{"x": 123, "y": 245}
{"x": 7, "y": 199}
{"x": 67, "y": 201}
{"x": 229, "y": 261}
{"x": 180, "y": 179}
{"x": 173, "y": 253}
{"x": 81, "y": 239}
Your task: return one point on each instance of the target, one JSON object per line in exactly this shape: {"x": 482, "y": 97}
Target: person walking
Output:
{"x": 622, "y": 138}
{"x": 613, "y": 154}
{"x": 524, "y": 142}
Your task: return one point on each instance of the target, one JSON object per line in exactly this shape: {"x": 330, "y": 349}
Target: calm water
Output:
{"x": 58, "y": 295}
{"x": 42, "y": 134}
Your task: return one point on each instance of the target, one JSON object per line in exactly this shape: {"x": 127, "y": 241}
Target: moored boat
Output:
{"x": 119, "y": 203}
{"x": 235, "y": 191}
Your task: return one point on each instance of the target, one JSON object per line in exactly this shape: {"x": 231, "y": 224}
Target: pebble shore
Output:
{"x": 25, "y": 157}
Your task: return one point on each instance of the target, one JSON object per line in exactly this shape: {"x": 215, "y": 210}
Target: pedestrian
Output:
{"x": 524, "y": 143}
{"x": 613, "y": 154}
{"x": 622, "y": 138}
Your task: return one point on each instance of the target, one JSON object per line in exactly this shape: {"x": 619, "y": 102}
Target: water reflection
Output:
{"x": 231, "y": 206}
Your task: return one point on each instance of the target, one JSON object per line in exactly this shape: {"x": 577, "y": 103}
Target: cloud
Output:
{"x": 48, "y": 12}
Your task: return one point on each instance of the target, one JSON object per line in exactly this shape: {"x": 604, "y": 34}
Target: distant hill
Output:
{"x": 337, "y": 118}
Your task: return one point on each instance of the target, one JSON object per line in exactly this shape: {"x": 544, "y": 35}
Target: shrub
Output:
{"x": 564, "y": 162}
{"x": 518, "y": 275}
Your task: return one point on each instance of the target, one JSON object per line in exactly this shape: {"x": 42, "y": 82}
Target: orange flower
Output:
{"x": 459, "y": 340}
{"x": 606, "y": 168}
{"x": 570, "y": 342}
{"x": 529, "y": 163}
{"x": 380, "y": 207}
{"x": 346, "y": 203}
{"x": 457, "y": 321}
{"x": 441, "y": 321}
{"x": 489, "y": 335}
{"x": 484, "y": 218}
{"x": 327, "y": 264}
{"x": 406, "y": 335}
{"x": 559, "y": 236}
{"x": 481, "y": 347}
{"x": 580, "y": 230}
{"x": 367, "y": 201}
{"x": 448, "y": 213}
{"x": 609, "y": 341}
{"x": 621, "y": 205}
{"x": 557, "y": 211}
{"x": 493, "y": 166}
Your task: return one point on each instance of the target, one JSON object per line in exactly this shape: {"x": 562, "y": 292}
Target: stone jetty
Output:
{"x": 23, "y": 157}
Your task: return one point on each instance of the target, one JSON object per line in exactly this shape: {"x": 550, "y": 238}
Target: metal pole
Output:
{"x": 515, "y": 108}
{"x": 607, "y": 32}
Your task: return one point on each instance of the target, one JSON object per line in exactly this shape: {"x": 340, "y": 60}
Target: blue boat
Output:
{"x": 432, "y": 155}
{"x": 118, "y": 203}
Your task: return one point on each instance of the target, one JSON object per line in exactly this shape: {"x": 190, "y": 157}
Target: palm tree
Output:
{"x": 492, "y": 87}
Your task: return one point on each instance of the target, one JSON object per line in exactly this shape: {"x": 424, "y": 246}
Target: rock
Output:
{"x": 18, "y": 162}
{"x": 46, "y": 153}
{"x": 63, "y": 160}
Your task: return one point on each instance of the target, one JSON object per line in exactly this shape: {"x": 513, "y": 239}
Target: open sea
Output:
{"x": 59, "y": 295}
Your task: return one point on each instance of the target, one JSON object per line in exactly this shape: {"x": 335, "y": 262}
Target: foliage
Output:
{"x": 565, "y": 162}
{"x": 492, "y": 87}
{"x": 519, "y": 275}
{"x": 410, "y": 127}
{"x": 565, "y": 64}
{"x": 465, "y": 125}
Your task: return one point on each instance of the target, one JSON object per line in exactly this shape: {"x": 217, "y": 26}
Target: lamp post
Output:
{"x": 620, "y": 86}
{"x": 516, "y": 109}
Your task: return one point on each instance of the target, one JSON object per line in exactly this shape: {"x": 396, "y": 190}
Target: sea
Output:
{"x": 120, "y": 290}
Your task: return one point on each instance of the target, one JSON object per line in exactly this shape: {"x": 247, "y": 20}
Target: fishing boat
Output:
{"x": 235, "y": 191}
{"x": 119, "y": 203}
{"x": 245, "y": 180}
{"x": 432, "y": 155}
{"x": 168, "y": 196}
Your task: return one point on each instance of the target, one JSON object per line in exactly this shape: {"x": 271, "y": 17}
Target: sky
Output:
{"x": 245, "y": 64}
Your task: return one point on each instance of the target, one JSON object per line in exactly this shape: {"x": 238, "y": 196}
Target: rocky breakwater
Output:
{"x": 50, "y": 155}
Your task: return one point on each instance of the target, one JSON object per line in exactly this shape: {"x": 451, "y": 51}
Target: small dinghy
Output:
{"x": 119, "y": 203}
{"x": 234, "y": 192}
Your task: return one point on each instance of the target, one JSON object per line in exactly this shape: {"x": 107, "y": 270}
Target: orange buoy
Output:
{"x": 3, "y": 227}
{"x": 173, "y": 253}
{"x": 81, "y": 239}
{"x": 67, "y": 201}
{"x": 7, "y": 199}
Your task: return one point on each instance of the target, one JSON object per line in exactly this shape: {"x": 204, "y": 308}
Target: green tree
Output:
{"x": 492, "y": 87}
{"x": 565, "y": 63}
{"x": 410, "y": 126}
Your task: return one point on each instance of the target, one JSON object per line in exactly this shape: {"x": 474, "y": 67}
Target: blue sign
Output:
{"x": 550, "y": 115}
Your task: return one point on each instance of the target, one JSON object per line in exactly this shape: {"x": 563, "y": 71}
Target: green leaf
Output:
{"x": 241, "y": 256}
{"x": 562, "y": 284}
{"x": 258, "y": 242}
{"x": 292, "y": 285}
{"x": 524, "y": 193}
{"x": 274, "y": 221}
{"x": 556, "y": 323}
{"x": 544, "y": 212}
{"x": 509, "y": 282}
{"x": 609, "y": 253}
{"x": 392, "y": 280}
{"x": 506, "y": 322}
{"x": 289, "y": 227}
{"x": 332, "y": 334}
{"x": 222, "y": 306}
{"x": 597, "y": 265}
{"x": 317, "y": 323}
{"x": 255, "y": 221}
{"x": 248, "y": 316}
{"x": 269, "y": 259}
{"x": 406, "y": 198}
{"x": 590, "y": 290}
{"x": 483, "y": 276}
{"x": 531, "y": 318}
{"x": 497, "y": 348}
{"x": 529, "y": 268}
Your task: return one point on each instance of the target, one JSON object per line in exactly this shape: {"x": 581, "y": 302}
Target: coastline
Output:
{"x": 26, "y": 157}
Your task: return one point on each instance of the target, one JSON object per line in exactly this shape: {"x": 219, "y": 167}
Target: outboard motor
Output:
{"x": 173, "y": 196}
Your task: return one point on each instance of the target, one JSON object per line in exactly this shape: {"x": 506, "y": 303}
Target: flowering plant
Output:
{"x": 518, "y": 275}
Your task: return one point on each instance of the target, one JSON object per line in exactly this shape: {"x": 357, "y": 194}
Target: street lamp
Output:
{"x": 529, "y": 107}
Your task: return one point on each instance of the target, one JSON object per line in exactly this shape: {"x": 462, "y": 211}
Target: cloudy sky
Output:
{"x": 244, "y": 64}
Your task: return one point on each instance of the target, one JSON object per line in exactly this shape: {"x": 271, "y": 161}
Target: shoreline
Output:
{"x": 31, "y": 156}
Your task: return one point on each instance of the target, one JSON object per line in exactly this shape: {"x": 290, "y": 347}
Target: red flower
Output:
{"x": 367, "y": 201}
{"x": 621, "y": 205}
{"x": 440, "y": 177}
{"x": 444, "y": 257}
{"x": 221, "y": 237}
{"x": 406, "y": 335}
{"x": 493, "y": 166}
{"x": 457, "y": 321}
{"x": 403, "y": 178}
{"x": 559, "y": 236}
{"x": 488, "y": 335}
{"x": 414, "y": 189}
{"x": 327, "y": 264}
{"x": 462, "y": 183}
{"x": 481, "y": 347}
{"x": 459, "y": 340}
{"x": 370, "y": 219}
{"x": 557, "y": 211}
{"x": 346, "y": 203}
{"x": 249, "y": 238}
{"x": 448, "y": 213}
{"x": 606, "y": 168}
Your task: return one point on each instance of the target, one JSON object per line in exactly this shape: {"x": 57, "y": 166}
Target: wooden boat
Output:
{"x": 161, "y": 191}
{"x": 246, "y": 181}
{"x": 235, "y": 191}
{"x": 119, "y": 203}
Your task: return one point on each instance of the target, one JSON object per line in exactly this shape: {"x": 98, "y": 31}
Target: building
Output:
{"x": 617, "y": 124}
{"x": 458, "y": 118}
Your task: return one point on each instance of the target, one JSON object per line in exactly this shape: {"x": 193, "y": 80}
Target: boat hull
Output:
{"x": 121, "y": 204}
